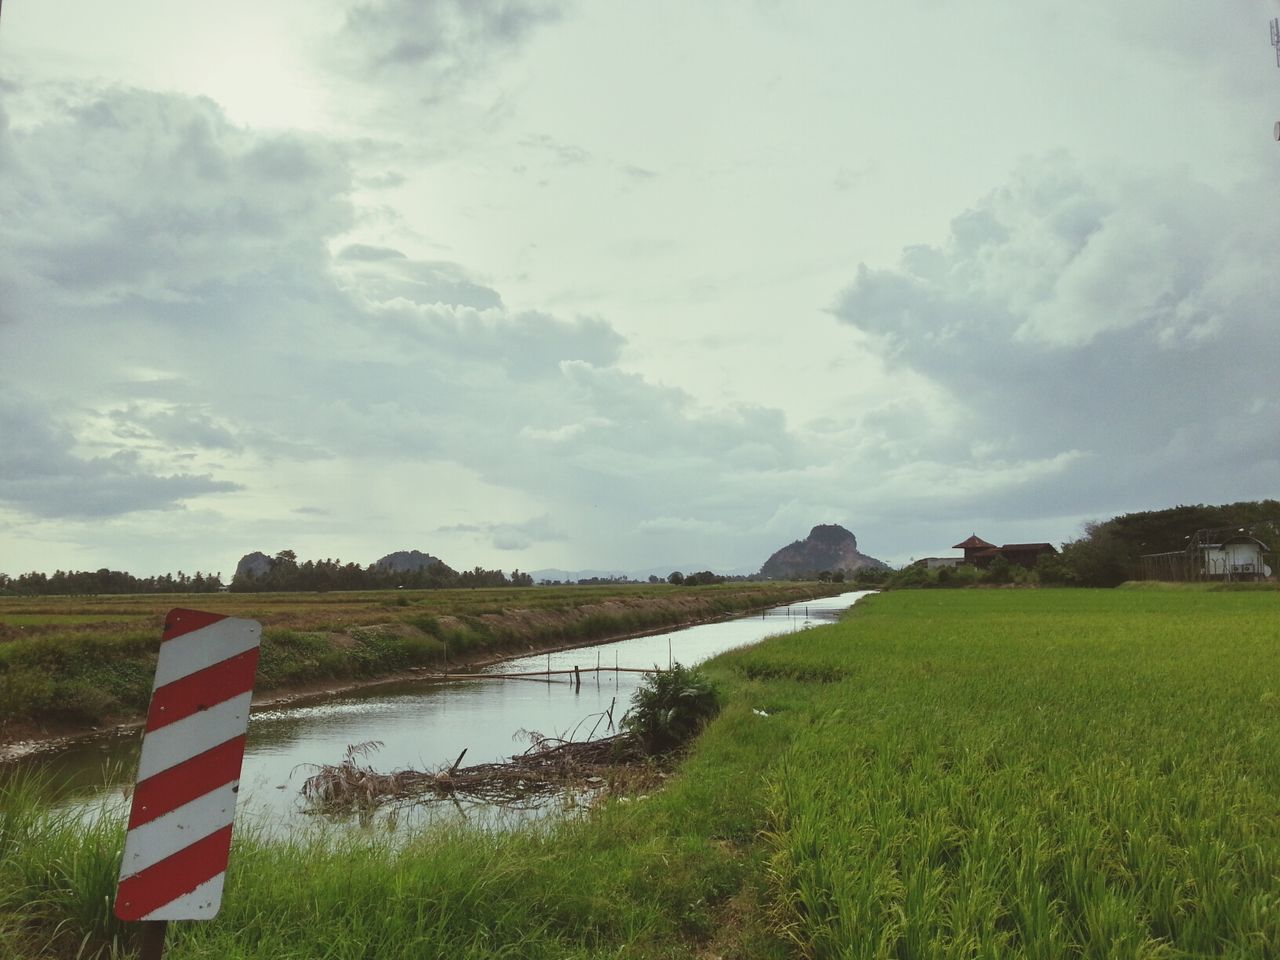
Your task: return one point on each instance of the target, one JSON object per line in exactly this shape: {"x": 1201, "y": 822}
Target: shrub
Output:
{"x": 670, "y": 707}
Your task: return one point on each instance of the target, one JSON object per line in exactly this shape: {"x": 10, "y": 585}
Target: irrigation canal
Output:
{"x": 424, "y": 725}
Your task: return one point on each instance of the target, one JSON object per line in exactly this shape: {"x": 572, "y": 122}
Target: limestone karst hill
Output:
{"x": 829, "y": 546}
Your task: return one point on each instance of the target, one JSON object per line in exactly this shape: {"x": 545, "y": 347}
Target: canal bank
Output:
{"x": 77, "y": 667}
{"x": 423, "y": 725}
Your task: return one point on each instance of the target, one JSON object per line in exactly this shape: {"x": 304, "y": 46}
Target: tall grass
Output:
{"x": 58, "y": 873}
{"x": 972, "y": 774}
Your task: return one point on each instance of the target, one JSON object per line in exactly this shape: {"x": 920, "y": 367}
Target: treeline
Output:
{"x": 1109, "y": 551}
{"x": 285, "y": 574}
{"x": 83, "y": 582}
{"x": 999, "y": 573}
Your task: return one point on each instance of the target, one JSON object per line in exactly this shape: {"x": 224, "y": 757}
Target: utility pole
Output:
{"x": 1275, "y": 42}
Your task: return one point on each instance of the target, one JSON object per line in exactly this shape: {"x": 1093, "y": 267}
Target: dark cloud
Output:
{"x": 127, "y": 195}
{"x": 41, "y": 475}
{"x": 435, "y": 44}
{"x": 1123, "y": 320}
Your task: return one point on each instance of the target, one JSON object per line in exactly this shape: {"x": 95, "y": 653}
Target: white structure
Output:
{"x": 1235, "y": 558}
{"x": 934, "y": 563}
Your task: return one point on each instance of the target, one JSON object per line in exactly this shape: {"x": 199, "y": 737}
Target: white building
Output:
{"x": 1235, "y": 558}
{"x": 934, "y": 563}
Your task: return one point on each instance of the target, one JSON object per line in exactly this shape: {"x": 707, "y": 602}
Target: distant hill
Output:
{"x": 829, "y": 546}
{"x": 403, "y": 561}
{"x": 251, "y": 565}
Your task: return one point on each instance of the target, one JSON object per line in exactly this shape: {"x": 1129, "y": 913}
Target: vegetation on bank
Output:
{"x": 79, "y": 661}
{"x": 1048, "y": 773}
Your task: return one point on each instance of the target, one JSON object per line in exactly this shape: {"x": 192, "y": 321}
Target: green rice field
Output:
{"x": 970, "y": 773}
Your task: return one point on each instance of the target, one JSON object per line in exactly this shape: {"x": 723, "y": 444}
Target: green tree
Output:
{"x": 1000, "y": 570}
{"x": 1100, "y": 558}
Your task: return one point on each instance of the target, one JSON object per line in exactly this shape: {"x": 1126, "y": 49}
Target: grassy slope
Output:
{"x": 961, "y": 774}
{"x": 75, "y": 661}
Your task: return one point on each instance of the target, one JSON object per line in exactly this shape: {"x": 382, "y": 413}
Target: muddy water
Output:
{"x": 424, "y": 725}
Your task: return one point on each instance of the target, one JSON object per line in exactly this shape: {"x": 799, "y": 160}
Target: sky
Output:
{"x": 618, "y": 286}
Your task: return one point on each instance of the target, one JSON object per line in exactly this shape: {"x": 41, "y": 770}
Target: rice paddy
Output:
{"x": 980, "y": 773}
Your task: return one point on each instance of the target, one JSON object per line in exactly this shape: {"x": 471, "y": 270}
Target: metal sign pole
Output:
{"x": 152, "y": 944}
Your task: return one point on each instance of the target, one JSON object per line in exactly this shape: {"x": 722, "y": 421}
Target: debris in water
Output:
{"x": 551, "y": 766}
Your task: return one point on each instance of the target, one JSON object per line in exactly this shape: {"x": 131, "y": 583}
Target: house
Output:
{"x": 974, "y": 547}
{"x": 979, "y": 553}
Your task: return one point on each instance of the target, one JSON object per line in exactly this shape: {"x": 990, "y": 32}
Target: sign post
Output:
{"x": 175, "y": 851}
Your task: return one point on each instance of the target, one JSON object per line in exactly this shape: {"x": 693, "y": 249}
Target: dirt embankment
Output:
{"x": 101, "y": 685}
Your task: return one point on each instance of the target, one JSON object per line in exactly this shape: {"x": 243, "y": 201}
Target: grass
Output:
{"x": 75, "y": 662}
{"x": 1204, "y": 586}
{"x": 963, "y": 774}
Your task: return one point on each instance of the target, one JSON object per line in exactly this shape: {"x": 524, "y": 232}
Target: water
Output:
{"x": 425, "y": 725}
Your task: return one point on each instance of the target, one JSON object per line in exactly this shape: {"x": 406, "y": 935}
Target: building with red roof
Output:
{"x": 980, "y": 553}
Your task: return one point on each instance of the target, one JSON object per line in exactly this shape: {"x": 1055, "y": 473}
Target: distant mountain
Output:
{"x": 571, "y": 576}
{"x": 252, "y": 565}
{"x": 408, "y": 560}
{"x": 829, "y": 546}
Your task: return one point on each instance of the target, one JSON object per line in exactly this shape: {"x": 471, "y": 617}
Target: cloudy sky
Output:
{"x": 616, "y": 285}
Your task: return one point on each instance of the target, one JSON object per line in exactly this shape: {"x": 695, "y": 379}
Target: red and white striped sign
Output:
{"x": 175, "y": 853}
